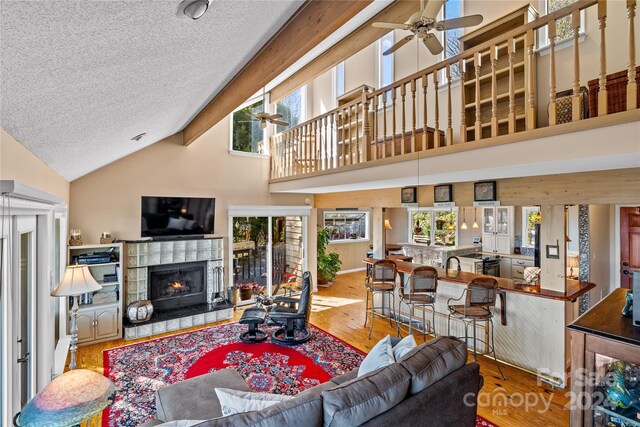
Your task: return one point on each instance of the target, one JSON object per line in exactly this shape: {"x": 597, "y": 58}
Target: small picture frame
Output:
{"x": 553, "y": 252}
{"x": 484, "y": 191}
{"x": 443, "y": 193}
{"x": 408, "y": 195}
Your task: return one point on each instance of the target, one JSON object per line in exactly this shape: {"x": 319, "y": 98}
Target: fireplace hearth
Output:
{"x": 178, "y": 285}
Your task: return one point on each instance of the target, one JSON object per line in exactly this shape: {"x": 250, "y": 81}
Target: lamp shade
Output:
{"x": 77, "y": 280}
{"x": 69, "y": 399}
{"x": 387, "y": 224}
{"x": 574, "y": 262}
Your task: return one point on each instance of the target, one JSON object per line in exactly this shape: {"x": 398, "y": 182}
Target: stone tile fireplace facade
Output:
{"x": 184, "y": 279}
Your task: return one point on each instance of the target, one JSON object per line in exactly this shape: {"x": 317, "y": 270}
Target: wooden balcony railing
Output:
{"x": 406, "y": 117}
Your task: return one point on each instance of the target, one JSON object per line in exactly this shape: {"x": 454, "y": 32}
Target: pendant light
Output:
{"x": 464, "y": 220}
{"x": 475, "y": 222}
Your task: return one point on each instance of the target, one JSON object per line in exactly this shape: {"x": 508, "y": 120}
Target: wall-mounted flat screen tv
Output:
{"x": 177, "y": 216}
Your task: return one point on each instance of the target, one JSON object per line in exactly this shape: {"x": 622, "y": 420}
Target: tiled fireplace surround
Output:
{"x": 142, "y": 255}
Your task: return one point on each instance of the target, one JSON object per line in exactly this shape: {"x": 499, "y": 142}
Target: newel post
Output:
{"x": 631, "y": 84}
{"x": 366, "y": 131}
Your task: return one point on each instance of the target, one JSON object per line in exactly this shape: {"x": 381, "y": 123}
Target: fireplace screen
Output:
{"x": 178, "y": 285}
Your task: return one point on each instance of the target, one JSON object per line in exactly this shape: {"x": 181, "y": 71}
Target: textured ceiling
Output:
{"x": 79, "y": 79}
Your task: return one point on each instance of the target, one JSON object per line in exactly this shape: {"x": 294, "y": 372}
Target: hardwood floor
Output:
{"x": 518, "y": 401}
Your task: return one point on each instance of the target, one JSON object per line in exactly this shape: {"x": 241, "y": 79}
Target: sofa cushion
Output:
{"x": 340, "y": 379}
{"x": 303, "y": 410}
{"x": 196, "y": 398}
{"x": 356, "y": 401}
{"x": 434, "y": 360}
{"x": 403, "y": 347}
{"x": 380, "y": 355}
{"x": 235, "y": 402}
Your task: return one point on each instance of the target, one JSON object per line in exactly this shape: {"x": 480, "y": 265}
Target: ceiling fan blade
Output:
{"x": 391, "y": 25}
{"x": 432, "y": 8}
{"x": 275, "y": 116}
{"x": 433, "y": 44}
{"x": 279, "y": 123}
{"x": 464, "y": 21}
{"x": 398, "y": 45}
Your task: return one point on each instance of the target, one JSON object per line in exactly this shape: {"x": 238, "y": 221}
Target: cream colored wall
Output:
{"x": 109, "y": 198}
{"x": 18, "y": 163}
{"x": 321, "y": 92}
{"x": 600, "y": 247}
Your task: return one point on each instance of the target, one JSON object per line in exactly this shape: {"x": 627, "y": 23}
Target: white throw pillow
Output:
{"x": 380, "y": 355}
{"x": 404, "y": 347}
{"x": 177, "y": 223}
{"x": 235, "y": 402}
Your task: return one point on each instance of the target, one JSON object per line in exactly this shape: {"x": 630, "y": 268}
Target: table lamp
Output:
{"x": 77, "y": 280}
{"x": 68, "y": 400}
{"x": 574, "y": 262}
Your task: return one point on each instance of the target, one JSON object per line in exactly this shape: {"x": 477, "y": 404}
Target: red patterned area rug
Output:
{"x": 138, "y": 370}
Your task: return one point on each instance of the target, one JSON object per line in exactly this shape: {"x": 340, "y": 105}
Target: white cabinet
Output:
{"x": 469, "y": 265}
{"x": 98, "y": 324}
{"x": 518, "y": 266}
{"x": 100, "y": 312}
{"x": 505, "y": 267}
{"x": 498, "y": 229}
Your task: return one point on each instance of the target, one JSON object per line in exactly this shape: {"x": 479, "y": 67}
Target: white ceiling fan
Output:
{"x": 424, "y": 20}
{"x": 264, "y": 117}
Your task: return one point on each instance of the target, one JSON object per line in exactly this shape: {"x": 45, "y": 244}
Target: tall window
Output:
{"x": 452, "y": 9}
{"x": 529, "y": 221}
{"x": 434, "y": 226}
{"x": 292, "y": 109}
{"x": 339, "y": 79}
{"x": 347, "y": 225}
{"x": 385, "y": 62}
{"x": 564, "y": 26}
{"x": 246, "y": 133}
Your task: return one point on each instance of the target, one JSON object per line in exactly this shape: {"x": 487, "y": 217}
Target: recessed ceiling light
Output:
{"x": 194, "y": 9}
{"x": 138, "y": 137}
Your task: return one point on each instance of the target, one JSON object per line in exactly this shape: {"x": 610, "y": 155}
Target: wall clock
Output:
{"x": 443, "y": 193}
{"x": 484, "y": 191}
{"x": 408, "y": 195}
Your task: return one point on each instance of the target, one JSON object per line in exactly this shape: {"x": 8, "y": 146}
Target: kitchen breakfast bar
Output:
{"x": 530, "y": 321}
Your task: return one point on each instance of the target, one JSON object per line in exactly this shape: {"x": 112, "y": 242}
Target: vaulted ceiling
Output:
{"x": 79, "y": 79}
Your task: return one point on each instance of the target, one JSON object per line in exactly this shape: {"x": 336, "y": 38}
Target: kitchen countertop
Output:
{"x": 574, "y": 288}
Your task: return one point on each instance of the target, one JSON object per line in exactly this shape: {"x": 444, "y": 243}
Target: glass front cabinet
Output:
{"x": 498, "y": 229}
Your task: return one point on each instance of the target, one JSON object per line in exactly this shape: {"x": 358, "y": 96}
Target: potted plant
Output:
{"x": 328, "y": 262}
{"x": 248, "y": 289}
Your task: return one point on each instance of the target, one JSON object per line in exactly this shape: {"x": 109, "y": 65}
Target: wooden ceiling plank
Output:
{"x": 398, "y": 11}
{"x": 314, "y": 21}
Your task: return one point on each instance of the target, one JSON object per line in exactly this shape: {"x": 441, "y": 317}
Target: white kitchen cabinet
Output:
{"x": 469, "y": 265}
{"x": 505, "y": 267}
{"x": 498, "y": 229}
{"x": 518, "y": 266}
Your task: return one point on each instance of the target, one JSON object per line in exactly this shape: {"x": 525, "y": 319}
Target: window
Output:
{"x": 385, "y": 62}
{"x": 339, "y": 79}
{"x": 529, "y": 221}
{"x": 246, "y": 134}
{"x": 452, "y": 9}
{"x": 292, "y": 109}
{"x": 346, "y": 225}
{"x": 564, "y": 26}
{"x": 432, "y": 226}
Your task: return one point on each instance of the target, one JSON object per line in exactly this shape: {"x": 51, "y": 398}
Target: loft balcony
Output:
{"x": 500, "y": 92}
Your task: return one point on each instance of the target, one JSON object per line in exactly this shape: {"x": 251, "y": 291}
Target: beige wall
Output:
{"x": 18, "y": 163}
{"x": 109, "y": 198}
{"x": 601, "y": 250}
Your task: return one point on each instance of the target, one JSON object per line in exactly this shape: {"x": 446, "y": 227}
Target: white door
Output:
{"x": 503, "y": 244}
{"x": 106, "y": 323}
{"x": 488, "y": 243}
{"x": 85, "y": 326}
{"x": 24, "y": 313}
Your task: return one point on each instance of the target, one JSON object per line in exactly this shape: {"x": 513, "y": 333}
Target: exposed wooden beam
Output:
{"x": 313, "y": 22}
{"x": 398, "y": 11}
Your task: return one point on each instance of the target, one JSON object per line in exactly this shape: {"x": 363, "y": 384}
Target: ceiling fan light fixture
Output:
{"x": 194, "y": 9}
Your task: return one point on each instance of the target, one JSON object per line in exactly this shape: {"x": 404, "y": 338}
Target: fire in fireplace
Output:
{"x": 178, "y": 285}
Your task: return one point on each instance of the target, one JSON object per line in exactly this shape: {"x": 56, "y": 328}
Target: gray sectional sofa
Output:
{"x": 432, "y": 385}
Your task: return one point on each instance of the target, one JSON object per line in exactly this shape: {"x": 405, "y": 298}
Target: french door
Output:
{"x": 267, "y": 251}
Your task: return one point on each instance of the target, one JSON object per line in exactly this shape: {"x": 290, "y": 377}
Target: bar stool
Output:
{"x": 381, "y": 280}
{"x": 479, "y": 305}
{"x": 420, "y": 291}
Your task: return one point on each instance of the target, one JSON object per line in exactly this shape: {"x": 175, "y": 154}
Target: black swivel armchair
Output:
{"x": 292, "y": 314}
